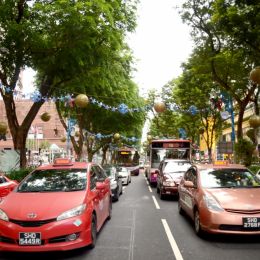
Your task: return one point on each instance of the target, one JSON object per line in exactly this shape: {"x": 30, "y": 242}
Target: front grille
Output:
{"x": 237, "y": 228}
{"x": 241, "y": 211}
{"x": 7, "y": 240}
{"x": 37, "y": 223}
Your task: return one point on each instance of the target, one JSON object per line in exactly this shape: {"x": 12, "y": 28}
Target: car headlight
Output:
{"x": 211, "y": 203}
{"x": 72, "y": 212}
{"x": 3, "y": 215}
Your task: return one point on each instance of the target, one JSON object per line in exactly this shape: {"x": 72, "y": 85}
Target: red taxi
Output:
{"x": 6, "y": 185}
{"x": 60, "y": 206}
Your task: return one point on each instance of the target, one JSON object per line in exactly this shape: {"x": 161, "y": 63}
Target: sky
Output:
{"x": 160, "y": 43}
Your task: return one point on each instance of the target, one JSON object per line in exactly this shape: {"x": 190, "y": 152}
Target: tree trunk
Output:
{"x": 90, "y": 156}
{"x": 19, "y": 132}
{"x": 240, "y": 121}
{"x": 104, "y": 152}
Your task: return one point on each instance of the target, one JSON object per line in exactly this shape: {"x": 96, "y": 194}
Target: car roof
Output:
{"x": 73, "y": 165}
{"x": 176, "y": 160}
{"x": 215, "y": 166}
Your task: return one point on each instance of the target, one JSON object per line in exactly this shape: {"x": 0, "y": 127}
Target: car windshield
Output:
{"x": 228, "y": 178}
{"x": 54, "y": 181}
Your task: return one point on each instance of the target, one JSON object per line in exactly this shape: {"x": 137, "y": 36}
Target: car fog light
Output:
{"x": 72, "y": 237}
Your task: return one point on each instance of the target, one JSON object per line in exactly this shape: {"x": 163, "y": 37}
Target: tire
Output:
{"x": 93, "y": 232}
{"x": 180, "y": 210}
{"x": 116, "y": 198}
{"x": 197, "y": 226}
{"x": 110, "y": 210}
{"x": 162, "y": 196}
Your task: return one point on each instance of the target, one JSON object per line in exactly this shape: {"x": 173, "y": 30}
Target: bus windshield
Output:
{"x": 176, "y": 149}
{"x": 127, "y": 157}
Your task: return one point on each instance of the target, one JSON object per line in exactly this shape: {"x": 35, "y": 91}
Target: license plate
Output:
{"x": 29, "y": 239}
{"x": 251, "y": 222}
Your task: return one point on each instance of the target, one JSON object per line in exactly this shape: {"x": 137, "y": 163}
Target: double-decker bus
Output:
{"x": 128, "y": 157}
{"x": 166, "y": 149}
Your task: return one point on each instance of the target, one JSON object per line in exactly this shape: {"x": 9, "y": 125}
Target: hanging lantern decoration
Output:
{"x": 254, "y": 121}
{"x": 159, "y": 107}
{"x": 149, "y": 138}
{"x": 3, "y": 128}
{"x": 63, "y": 139}
{"x": 116, "y": 136}
{"x": 81, "y": 100}
{"x": 251, "y": 134}
{"x": 45, "y": 117}
{"x": 255, "y": 75}
{"x": 201, "y": 130}
{"x": 91, "y": 137}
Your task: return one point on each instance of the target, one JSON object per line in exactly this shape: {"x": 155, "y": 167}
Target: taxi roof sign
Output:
{"x": 220, "y": 162}
{"x": 62, "y": 162}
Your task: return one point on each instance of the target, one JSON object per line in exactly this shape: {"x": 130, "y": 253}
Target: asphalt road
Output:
{"x": 143, "y": 227}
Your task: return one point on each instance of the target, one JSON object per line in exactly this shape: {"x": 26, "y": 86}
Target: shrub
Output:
{"x": 18, "y": 175}
{"x": 244, "y": 151}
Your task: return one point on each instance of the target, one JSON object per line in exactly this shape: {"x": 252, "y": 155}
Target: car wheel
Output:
{"x": 116, "y": 198}
{"x": 180, "y": 210}
{"x": 93, "y": 232}
{"x": 161, "y": 195}
{"x": 110, "y": 211}
{"x": 197, "y": 225}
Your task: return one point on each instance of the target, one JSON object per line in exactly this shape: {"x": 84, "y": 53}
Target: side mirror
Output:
{"x": 189, "y": 184}
{"x": 100, "y": 185}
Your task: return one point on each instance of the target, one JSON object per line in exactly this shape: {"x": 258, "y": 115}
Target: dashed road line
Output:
{"x": 132, "y": 238}
{"x": 156, "y": 203}
{"x": 150, "y": 189}
{"x": 172, "y": 241}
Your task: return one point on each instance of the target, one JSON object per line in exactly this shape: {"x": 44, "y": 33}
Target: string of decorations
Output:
{"x": 82, "y": 101}
{"x": 116, "y": 136}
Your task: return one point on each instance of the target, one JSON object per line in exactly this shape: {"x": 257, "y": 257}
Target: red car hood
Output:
{"x": 239, "y": 199}
{"x": 45, "y": 205}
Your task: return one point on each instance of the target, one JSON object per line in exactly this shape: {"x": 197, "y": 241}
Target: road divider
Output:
{"x": 172, "y": 241}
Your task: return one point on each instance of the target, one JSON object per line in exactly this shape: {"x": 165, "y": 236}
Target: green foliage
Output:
{"x": 243, "y": 151}
{"x": 254, "y": 168}
{"x": 18, "y": 175}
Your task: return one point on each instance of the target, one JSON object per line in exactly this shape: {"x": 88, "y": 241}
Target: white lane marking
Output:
{"x": 147, "y": 182}
{"x": 172, "y": 241}
{"x": 150, "y": 189}
{"x": 156, "y": 203}
{"x": 132, "y": 238}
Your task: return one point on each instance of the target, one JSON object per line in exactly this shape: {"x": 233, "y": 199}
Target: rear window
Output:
{"x": 54, "y": 181}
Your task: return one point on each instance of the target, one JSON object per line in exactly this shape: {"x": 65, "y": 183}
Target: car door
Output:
{"x": 187, "y": 194}
{"x": 95, "y": 196}
{"x": 104, "y": 194}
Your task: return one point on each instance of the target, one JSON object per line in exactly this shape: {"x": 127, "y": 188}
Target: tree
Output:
{"x": 229, "y": 63}
{"x": 61, "y": 40}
